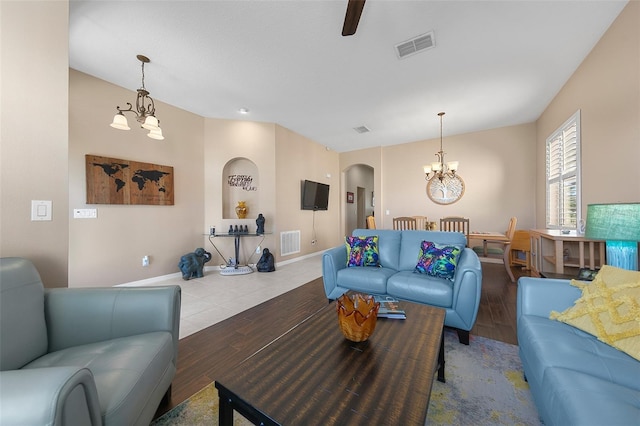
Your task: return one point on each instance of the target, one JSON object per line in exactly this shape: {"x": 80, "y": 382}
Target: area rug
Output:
{"x": 484, "y": 386}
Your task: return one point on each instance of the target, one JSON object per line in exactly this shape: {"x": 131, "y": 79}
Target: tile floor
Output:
{"x": 214, "y": 297}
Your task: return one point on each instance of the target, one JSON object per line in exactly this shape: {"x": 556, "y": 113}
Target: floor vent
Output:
{"x": 362, "y": 129}
{"x": 415, "y": 45}
{"x": 289, "y": 242}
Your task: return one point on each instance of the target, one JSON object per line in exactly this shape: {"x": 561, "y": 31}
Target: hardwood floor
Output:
{"x": 203, "y": 355}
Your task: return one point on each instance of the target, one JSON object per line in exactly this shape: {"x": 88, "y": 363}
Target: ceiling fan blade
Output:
{"x": 352, "y": 17}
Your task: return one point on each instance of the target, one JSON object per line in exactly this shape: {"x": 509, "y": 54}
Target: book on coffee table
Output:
{"x": 389, "y": 307}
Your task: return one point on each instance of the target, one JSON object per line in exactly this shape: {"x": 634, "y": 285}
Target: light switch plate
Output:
{"x": 41, "y": 210}
{"x": 85, "y": 213}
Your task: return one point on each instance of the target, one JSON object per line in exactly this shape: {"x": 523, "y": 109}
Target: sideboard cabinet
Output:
{"x": 557, "y": 253}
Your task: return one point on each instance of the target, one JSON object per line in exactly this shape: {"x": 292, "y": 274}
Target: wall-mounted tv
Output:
{"x": 314, "y": 195}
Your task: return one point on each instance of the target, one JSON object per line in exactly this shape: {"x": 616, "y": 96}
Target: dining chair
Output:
{"x": 421, "y": 223}
{"x": 503, "y": 248}
{"x": 403, "y": 223}
{"x": 455, "y": 224}
{"x": 371, "y": 222}
{"x": 521, "y": 243}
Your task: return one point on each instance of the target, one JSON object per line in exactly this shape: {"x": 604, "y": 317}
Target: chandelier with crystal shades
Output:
{"x": 145, "y": 110}
{"x": 440, "y": 169}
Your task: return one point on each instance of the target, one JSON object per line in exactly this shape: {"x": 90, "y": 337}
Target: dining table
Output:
{"x": 495, "y": 237}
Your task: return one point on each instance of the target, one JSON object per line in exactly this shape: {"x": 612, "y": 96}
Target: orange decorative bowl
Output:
{"x": 357, "y": 315}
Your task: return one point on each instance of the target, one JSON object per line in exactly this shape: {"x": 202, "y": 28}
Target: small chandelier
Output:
{"x": 145, "y": 110}
{"x": 440, "y": 169}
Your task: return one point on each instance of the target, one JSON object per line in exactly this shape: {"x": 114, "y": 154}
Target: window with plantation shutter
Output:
{"x": 563, "y": 175}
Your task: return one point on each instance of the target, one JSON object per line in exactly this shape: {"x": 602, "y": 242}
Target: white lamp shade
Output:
{"x": 427, "y": 170}
{"x": 150, "y": 123}
{"x": 436, "y": 167}
{"x": 453, "y": 165}
{"x": 156, "y": 134}
{"x": 120, "y": 122}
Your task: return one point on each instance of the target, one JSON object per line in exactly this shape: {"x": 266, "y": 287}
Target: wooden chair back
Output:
{"x": 403, "y": 223}
{"x": 371, "y": 222}
{"x": 455, "y": 224}
{"x": 512, "y": 228}
{"x": 421, "y": 223}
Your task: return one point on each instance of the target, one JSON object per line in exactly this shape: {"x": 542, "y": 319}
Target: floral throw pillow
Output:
{"x": 362, "y": 251}
{"x": 438, "y": 260}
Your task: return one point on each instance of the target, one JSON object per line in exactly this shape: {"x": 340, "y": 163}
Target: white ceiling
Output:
{"x": 495, "y": 63}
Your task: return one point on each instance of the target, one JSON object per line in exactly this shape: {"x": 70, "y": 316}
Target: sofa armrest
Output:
{"x": 80, "y": 316}
{"x": 49, "y": 396}
{"x": 467, "y": 287}
{"x": 540, "y": 296}
{"x": 333, "y": 260}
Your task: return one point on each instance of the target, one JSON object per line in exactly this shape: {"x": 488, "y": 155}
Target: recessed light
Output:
{"x": 243, "y": 111}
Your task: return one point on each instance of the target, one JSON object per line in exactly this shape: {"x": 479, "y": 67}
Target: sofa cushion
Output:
{"x": 421, "y": 288}
{"x": 438, "y": 260}
{"x": 609, "y": 309}
{"x": 388, "y": 245}
{"x": 578, "y": 398}
{"x": 548, "y": 343}
{"x": 362, "y": 251}
{"x": 126, "y": 370}
{"x": 370, "y": 280}
{"x": 411, "y": 241}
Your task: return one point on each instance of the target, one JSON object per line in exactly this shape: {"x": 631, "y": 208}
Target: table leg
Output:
{"x": 225, "y": 411}
{"x": 237, "y": 243}
{"x": 441, "y": 359}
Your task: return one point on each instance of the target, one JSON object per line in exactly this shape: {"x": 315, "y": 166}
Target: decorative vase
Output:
{"x": 357, "y": 316}
{"x": 241, "y": 210}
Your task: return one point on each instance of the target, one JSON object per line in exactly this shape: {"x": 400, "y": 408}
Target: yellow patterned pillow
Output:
{"x": 609, "y": 308}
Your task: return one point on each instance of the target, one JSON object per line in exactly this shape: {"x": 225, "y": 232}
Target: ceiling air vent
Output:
{"x": 415, "y": 45}
{"x": 362, "y": 129}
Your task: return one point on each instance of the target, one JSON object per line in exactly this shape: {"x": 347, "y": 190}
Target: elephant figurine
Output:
{"x": 191, "y": 264}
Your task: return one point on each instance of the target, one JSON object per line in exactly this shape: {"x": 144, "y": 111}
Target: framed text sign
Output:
{"x": 115, "y": 181}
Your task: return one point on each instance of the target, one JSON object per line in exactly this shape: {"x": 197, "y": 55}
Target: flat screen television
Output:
{"x": 315, "y": 195}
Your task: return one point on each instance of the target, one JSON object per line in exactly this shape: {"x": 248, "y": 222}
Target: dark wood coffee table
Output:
{"x": 313, "y": 375}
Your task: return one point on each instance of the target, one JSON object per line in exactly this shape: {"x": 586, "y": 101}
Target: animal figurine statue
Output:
{"x": 191, "y": 264}
{"x": 266, "y": 262}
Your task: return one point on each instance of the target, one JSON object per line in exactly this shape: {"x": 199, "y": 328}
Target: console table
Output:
{"x": 558, "y": 253}
{"x": 235, "y": 268}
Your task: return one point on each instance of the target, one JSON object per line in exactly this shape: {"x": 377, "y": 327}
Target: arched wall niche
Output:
{"x": 240, "y": 182}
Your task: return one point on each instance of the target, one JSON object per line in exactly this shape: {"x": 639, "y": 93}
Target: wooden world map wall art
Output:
{"x": 115, "y": 181}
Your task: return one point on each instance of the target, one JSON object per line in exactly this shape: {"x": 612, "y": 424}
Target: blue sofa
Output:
{"x": 83, "y": 356}
{"x": 575, "y": 379}
{"x": 399, "y": 252}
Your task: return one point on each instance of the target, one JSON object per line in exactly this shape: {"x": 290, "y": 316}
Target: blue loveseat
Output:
{"x": 575, "y": 379}
{"x": 398, "y": 254}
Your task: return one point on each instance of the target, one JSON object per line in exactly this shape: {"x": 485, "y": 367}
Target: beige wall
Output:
{"x": 299, "y": 158}
{"x": 496, "y": 167}
{"x": 34, "y": 133}
{"x": 225, "y": 141}
{"x": 109, "y": 250}
{"x": 606, "y": 89}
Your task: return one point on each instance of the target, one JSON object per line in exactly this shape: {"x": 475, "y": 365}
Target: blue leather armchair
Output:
{"x": 460, "y": 297}
{"x": 87, "y": 356}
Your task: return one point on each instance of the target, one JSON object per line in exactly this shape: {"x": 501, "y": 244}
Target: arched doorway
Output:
{"x": 359, "y": 182}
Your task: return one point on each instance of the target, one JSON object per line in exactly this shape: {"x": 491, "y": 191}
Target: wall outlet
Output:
{"x": 145, "y": 261}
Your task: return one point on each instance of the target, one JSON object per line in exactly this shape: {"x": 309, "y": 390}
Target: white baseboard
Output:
{"x": 155, "y": 280}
